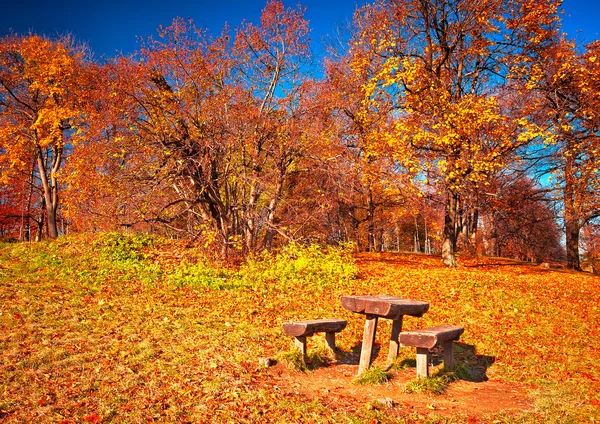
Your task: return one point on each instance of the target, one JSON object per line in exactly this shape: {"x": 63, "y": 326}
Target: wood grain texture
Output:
{"x": 366, "y": 350}
{"x": 422, "y": 362}
{"x": 384, "y": 306}
{"x": 310, "y": 327}
{"x": 429, "y": 337}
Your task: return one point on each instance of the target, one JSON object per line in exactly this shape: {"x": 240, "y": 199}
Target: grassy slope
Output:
{"x": 98, "y": 330}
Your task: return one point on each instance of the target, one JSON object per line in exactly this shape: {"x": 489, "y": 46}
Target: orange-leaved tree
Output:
{"x": 219, "y": 123}
{"x": 274, "y": 60}
{"x": 448, "y": 67}
{"x": 41, "y": 111}
{"x": 569, "y": 84}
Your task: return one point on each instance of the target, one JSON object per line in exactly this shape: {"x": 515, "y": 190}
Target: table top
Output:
{"x": 384, "y": 306}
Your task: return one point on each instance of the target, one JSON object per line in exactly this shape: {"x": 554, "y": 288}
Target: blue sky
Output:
{"x": 113, "y": 26}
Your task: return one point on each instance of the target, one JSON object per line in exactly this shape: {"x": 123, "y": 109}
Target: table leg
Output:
{"x": 394, "y": 343}
{"x": 367, "y": 344}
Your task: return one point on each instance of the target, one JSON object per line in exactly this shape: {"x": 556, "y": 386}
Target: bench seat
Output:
{"x": 300, "y": 330}
{"x": 426, "y": 339}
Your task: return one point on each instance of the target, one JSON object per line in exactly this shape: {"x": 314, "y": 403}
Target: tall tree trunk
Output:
{"x": 417, "y": 246}
{"x": 492, "y": 246}
{"x": 572, "y": 227}
{"x": 270, "y": 233}
{"x": 451, "y": 217}
{"x": 41, "y": 222}
{"x": 26, "y": 214}
{"x": 572, "y": 218}
{"x": 50, "y": 187}
{"x": 250, "y": 218}
{"x": 371, "y": 237}
{"x": 427, "y": 242}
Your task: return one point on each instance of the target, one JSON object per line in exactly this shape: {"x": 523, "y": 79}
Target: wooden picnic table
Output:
{"x": 382, "y": 306}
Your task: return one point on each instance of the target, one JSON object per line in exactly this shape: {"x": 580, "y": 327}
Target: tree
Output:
{"x": 273, "y": 63}
{"x": 219, "y": 123}
{"x": 569, "y": 84}
{"x": 41, "y": 110}
{"x": 373, "y": 188}
{"x": 591, "y": 246}
{"x": 519, "y": 221}
{"x": 447, "y": 67}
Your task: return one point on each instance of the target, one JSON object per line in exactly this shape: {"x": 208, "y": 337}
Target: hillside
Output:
{"x": 114, "y": 328}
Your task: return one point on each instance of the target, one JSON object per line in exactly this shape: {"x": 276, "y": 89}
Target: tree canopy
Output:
{"x": 442, "y": 126}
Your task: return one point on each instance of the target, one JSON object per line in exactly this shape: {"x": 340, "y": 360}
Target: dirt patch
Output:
{"x": 334, "y": 386}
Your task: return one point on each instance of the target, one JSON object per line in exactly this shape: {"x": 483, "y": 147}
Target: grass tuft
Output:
{"x": 373, "y": 376}
{"x": 292, "y": 359}
{"x": 438, "y": 382}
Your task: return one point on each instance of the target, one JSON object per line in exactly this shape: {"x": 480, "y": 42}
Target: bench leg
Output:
{"x": 449, "y": 354}
{"x": 394, "y": 344}
{"x": 330, "y": 338}
{"x": 367, "y": 344}
{"x": 422, "y": 362}
{"x": 300, "y": 343}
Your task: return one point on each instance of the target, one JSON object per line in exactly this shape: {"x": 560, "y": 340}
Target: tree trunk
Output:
{"x": 270, "y": 233}
{"x": 50, "y": 188}
{"x": 250, "y": 218}
{"x": 41, "y": 222}
{"x": 450, "y": 230}
{"x": 371, "y": 237}
{"x": 573, "y": 228}
{"x": 491, "y": 244}
{"x": 26, "y": 214}
{"x": 417, "y": 246}
{"x": 427, "y": 242}
{"x": 572, "y": 219}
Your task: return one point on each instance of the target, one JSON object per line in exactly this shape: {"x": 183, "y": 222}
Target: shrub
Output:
{"x": 301, "y": 264}
{"x": 200, "y": 274}
{"x": 125, "y": 247}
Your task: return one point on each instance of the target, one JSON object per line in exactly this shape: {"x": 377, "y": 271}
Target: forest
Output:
{"x": 434, "y": 126}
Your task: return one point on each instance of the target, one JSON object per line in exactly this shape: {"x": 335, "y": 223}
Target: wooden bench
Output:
{"x": 428, "y": 338}
{"x": 303, "y": 329}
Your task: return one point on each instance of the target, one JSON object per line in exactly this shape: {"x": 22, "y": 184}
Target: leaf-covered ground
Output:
{"x": 128, "y": 329}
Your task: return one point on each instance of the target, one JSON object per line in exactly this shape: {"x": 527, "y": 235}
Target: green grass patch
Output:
{"x": 292, "y": 359}
{"x": 433, "y": 384}
{"x": 200, "y": 274}
{"x": 297, "y": 264}
{"x": 373, "y": 376}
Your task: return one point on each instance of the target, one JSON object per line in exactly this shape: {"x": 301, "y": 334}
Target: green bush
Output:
{"x": 128, "y": 256}
{"x": 125, "y": 247}
{"x": 199, "y": 274}
{"x": 301, "y": 264}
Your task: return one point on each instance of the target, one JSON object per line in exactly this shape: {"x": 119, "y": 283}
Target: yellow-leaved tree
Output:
{"x": 41, "y": 111}
{"x": 455, "y": 77}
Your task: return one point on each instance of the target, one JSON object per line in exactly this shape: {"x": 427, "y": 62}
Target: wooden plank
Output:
{"x": 429, "y": 337}
{"x": 422, "y": 362}
{"x": 384, "y": 306}
{"x": 310, "y": 327}
{"x": 367, "y": 344}
{"x": 354, "y": 303}
{"x": 394, "y": 340}
{"x": 399, "y": 307}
